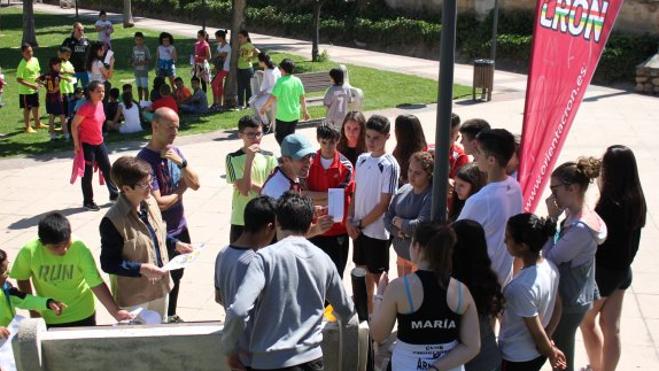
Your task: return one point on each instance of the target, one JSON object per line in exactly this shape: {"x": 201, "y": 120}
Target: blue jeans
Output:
{"x": 83, "y": 78}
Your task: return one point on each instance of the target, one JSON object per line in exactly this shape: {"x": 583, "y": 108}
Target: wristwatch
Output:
{"x": 183, "y": 164}
{"x": 359, "y": 225}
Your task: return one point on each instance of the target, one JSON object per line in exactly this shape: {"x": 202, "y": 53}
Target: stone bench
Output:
{"x": 188, "y": 346}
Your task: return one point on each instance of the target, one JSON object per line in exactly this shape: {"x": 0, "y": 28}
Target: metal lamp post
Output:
{"x": 444, "y": 110}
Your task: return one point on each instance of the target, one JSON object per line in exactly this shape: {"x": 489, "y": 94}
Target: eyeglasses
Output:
{"x": 144, "y": 185}
{"x": 252, "y": 135}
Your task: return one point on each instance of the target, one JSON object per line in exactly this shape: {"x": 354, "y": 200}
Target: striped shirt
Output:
{"x": 374, "y": 176}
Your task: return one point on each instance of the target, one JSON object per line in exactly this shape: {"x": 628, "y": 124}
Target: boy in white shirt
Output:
{"x": 376, "y": 182}
{"x": 499, "y": 200}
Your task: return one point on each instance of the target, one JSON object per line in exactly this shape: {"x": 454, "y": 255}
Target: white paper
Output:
{"x": 7, "y": 361}
{"x": 146, "y": 317}
{"x": 108, "y": 56}
{"x": 183, "y": 260}
{"x": 145, "y": 103}
{"x": 336, "y": 203}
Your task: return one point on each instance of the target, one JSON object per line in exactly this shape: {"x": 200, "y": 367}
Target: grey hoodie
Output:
{"x": 291, "y": 280}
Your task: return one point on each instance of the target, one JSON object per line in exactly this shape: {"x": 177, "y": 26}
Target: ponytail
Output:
{"x": 531, "y": 230}
{"x": 436, "y": 242}
{"x": 581, "y": 172}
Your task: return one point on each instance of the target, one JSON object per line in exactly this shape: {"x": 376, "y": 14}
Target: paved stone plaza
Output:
{"x": 33, "y": 186}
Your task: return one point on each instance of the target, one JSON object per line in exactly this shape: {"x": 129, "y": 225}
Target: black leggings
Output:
{"x": 177, "y": 274}
{"x": 244, "y": 85}
{"x": 532, "y": 365}
{"x": 96, "y": 154}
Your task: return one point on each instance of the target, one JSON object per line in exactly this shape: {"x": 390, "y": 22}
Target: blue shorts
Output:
{"x": 166, "y": 68}
{"x": 142, "y": 81}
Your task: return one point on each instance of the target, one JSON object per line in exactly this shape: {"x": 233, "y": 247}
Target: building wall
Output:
{"x": 637, "y": 16}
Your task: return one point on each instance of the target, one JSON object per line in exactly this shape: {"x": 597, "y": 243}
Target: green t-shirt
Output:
{"x": 246, "y": 56}
{"x": 28, "y": 71}
{"x": 66, "y": 278}
{"x": 262, "y": 166}
{"x": 288, "y": 90}
{"x": 65, "y": 86}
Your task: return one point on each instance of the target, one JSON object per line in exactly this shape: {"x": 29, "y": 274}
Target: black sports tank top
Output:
{"x": 434, "y": 322}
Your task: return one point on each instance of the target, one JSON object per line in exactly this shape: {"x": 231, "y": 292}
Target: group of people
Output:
{"x": 539, "y": 278}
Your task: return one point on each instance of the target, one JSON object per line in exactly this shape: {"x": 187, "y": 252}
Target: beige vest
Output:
{"x": 138, "y": 247}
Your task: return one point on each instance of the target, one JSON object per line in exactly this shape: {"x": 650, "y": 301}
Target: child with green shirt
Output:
{"x": 12, "y": 298}
{"x": 247, "y": 169}
{"x": 63, "y": 268}
{"x": 27, "y": 72}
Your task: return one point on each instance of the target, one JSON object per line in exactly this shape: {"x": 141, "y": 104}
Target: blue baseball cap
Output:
{"x": 296, "y": 146}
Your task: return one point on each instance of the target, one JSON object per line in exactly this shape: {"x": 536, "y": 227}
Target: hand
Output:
{"x": 557, "y": 359}
{"x": 56, "y": 306}
{"x": 234, "y": 363}
{"x": 397, "y": 222}
{"x": 320, "y": 211}
{"x": 252, "y": 151}
{"x": 76, "y": 148}
{"x": 324, "y": 223}
{"x": 383, "y": 283}
{"x": 552, "y": 207}
{"x": 182, "y": 187}
{"x": 4, "y": 333}
{"x": 184, "y": 248}
{"x": 170, "y": 154}
{"x": 307, "y": 117}
{"x": 262, "y": 111}
{"x": 152, "y": 271}
{"x": 123, "y": 315}
{"x": 352, "y": 231}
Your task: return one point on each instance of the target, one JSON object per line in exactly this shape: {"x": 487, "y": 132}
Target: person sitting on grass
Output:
{"x": 181, "y": 92}
{"x": 12, "y": 298}
{"x": 110, "y": 108}
{"x": 61, "y": 266}
{"x": 197, "y": 104}
{"x": 130, "y": 112}
{"x": 166, "y": 99}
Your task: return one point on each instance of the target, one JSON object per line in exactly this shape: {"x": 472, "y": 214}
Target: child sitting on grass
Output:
{"x": 197, "y": 104}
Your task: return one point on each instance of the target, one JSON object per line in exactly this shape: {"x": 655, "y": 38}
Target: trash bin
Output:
{"x": 483, "y": 78}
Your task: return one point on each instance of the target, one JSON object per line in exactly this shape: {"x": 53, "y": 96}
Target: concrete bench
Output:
{"x": 187, "y": 346}
{"x": 315, "y": 82}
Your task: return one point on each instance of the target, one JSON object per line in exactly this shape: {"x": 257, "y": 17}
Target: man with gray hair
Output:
{"x": 171, "y": 178}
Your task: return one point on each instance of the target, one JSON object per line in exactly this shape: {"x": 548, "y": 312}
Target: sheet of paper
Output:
{"x": 7, "y": 361}
{"x": 108, "y": 56}
{"x": 336, "y": 203}
{"x": 145, "y": 103}
{"x": 183, "y": 260}
{"x": 146, "y": 317}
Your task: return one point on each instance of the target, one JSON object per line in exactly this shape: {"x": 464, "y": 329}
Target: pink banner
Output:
{"x": 568, "y": 40}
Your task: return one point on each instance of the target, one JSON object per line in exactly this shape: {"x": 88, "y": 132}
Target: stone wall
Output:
{"x": 637, "y": 16}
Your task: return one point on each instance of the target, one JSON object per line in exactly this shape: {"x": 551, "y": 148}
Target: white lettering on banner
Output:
{"x": 556, "y": 137}
{"x": 576, "y": 17}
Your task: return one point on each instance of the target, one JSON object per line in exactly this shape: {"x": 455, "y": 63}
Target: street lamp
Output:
{"x": 444, "y": 110}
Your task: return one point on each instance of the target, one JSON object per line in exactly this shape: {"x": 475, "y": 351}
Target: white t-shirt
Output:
{"x": 278, "y": 184}
{"x": 532, "y": 292}
{"x": 326, "y": 162}
{"x": 492, "y": 206}
{"x": 104, "y": 35}
{"x": 166, "y": 53}
{"x": 131, "y": 119}
{"x": 227, "y": 60}
{"x": 95, "y": 74}
{"x": 373, "y": 177}
{"x": 270, "y": 77}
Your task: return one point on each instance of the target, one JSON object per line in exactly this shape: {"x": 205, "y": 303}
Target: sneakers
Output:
{"x": 91, "y": 206}
{"x": 175, "y": 319}
{"x": 30, "y": 130}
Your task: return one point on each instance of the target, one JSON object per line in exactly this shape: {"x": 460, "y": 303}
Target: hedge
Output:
{"x": 376, "y": 26}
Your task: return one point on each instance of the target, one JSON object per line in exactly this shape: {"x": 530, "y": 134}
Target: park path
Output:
{"x": 33, "y": 186}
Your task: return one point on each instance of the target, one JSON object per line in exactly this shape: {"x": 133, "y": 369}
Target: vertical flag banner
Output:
{"x": 568, "y": 40}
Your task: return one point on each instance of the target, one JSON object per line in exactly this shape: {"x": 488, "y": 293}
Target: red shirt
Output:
{"x": 456, "y": 158}
{"x": 90, "y": 130}
{"x": 340, "y": 174}
{"x": 167, "y": 101}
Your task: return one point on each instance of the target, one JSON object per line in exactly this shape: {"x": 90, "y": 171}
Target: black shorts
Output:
{"x": 28, "y": 100}
{"x": 372, "y": 253}
{"x": 87, "y": 322}
{"x": 608, "y": 280}
{"x": 336, "y": 247}
{"x": 55, "y": 107}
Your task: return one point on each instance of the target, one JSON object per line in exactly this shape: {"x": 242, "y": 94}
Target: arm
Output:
{"x": 174, "y": 54}
{"x": 327, "y": 100}
{"x": 117, "y": 115}
{"x": 390, "y": 215}
{"x": 543, "y": 344}
{"x": 303, "y": 106}
{"x": 408, "y": 226}
{"x": 190, "y": 177}
{"x": 244, "y": 184}
{"x": 384, "y": 312}
{"x": 112, "y": 244}
{"x": 26, "y": 287}
{"x": 75, "y": 127}
{"x": 569, "y": 245}
{"x": 243, "y": 302}
{"x": 470, "y": 339}
{"x": 107, "y": 73}
{"x": 378, "y": 210}
{"x": 165, "y": 202}
{"x": 555, "y": 317}
{"x": 105, "y": 297}
{"x": 336, "y": 295}
{"x": 22, "y": 81}
{"x": 268, "y": 103}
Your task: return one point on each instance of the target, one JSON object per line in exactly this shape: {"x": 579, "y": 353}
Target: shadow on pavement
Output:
{"x": 32, "y": 221}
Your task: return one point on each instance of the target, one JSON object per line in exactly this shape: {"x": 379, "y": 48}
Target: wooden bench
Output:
{"x": 314, "y": 82}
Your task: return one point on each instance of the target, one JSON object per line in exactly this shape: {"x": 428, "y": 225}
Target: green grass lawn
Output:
{"x": 382, "y": 89}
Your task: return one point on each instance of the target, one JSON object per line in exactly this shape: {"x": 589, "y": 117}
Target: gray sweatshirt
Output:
{"x": 413, "y": 209}
{"x": 291, "y": 280}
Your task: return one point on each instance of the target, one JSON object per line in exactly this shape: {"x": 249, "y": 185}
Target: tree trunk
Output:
{"x": 128, "y": 14}
{"x": 316, "y": 30}
{"x": 238, "y": 22}
{"x": 29, "y": 35}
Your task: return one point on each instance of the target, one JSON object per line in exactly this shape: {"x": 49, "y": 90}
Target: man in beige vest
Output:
{"x": 134, "y": 241}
